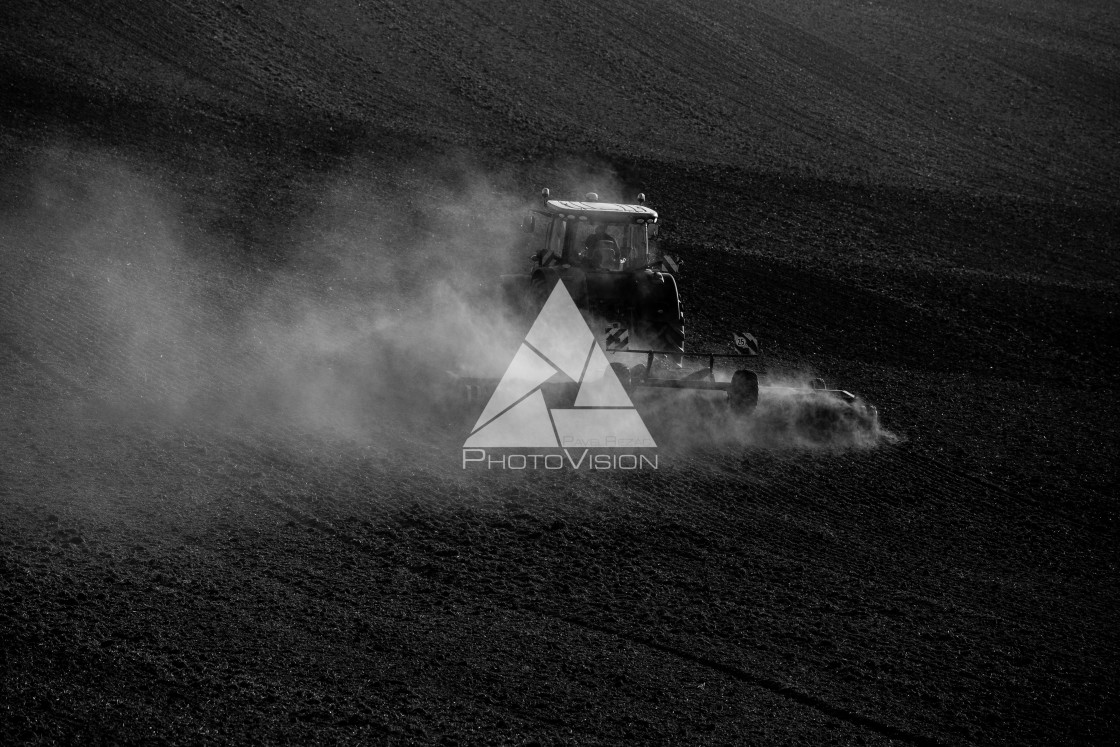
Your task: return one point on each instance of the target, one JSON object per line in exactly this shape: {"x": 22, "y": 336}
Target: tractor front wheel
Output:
{"x": 538, "y": 294}
{"x": 742, "y": 396}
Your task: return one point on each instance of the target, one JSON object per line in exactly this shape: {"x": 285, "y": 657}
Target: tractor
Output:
{"x": 607, "y": 256}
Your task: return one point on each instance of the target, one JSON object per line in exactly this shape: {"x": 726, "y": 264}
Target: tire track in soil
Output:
{"x": 923, "y": 590}
{"x": 830, "y": 563}
{"x": 60, "y": 380}
{"x": 767, "y": 683}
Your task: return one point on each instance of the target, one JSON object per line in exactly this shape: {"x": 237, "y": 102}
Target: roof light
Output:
{"x": 641, "y": 198}
{"x": 591, "y": 197}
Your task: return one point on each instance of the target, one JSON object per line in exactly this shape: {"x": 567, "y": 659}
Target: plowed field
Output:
{"x": 240, "y": 244}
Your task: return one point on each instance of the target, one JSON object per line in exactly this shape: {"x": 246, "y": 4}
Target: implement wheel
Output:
{"x": 742, "y": 396}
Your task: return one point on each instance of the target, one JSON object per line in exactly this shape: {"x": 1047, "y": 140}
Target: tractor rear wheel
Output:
{"x": 669, "y": 336}
{"x": 742, "y": 396}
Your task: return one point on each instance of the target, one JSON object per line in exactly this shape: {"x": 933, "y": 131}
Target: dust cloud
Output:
{"x": 344, "y": 317}
{"x": 790, "y": 414}
{"x": 349, "y": 312}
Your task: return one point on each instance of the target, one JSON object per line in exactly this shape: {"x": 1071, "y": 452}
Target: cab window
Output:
{"x": 641, "y": 247}
{"x": 600, "y": 244}
{"x": 557, "y": 233}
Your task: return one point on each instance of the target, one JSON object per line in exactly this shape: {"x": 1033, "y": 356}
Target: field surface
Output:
{"x": 242, "y": 243}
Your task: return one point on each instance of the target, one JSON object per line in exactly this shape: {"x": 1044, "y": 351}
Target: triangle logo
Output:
{"x": 560, "y": 348}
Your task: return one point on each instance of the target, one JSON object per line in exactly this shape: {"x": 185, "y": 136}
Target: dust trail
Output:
{"x": 339, "y": 320}
{"x": 793, "y": 414}
{"x": 345, "y": 317}
{"x": 790, "y": 414}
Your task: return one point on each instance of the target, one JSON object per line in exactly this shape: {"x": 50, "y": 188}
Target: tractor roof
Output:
{"x": 607, "y": 212}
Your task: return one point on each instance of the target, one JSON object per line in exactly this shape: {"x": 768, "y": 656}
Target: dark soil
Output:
{"x": 240, "y": 243}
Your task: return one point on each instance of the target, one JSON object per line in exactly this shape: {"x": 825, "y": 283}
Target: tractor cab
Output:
{"x": 608, "y": 260}
{"x": 596, "y": 236}
{"x": 606, "y": 255}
